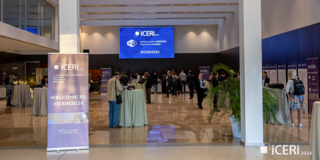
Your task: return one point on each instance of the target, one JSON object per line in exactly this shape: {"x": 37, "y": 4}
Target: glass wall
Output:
{"x": 11, "y": 12}
{"x": 35, "y": 16}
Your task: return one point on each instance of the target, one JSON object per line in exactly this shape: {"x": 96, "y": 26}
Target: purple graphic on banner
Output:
{"x": 313, "y": 81}
{"x": 105, "y": 76}
{"x": 205, "y": 71}
{"x": 4, "y": 75}
{"x": 68, "y": 101}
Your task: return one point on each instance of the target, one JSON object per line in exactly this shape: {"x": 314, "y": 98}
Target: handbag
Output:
{"x": 118, "y": 97}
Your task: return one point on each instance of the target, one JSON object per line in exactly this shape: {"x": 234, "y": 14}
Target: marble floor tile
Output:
{"x": 171, "y": 120}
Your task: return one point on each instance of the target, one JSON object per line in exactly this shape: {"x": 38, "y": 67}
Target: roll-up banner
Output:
{"x": 105, "y": 76}
{"x": 282, "y": 77}
{"x": 4, "y": 75}
{"x": 303, "y": 75}
{"x": 265, "y": 68}
{"x": 205, "y": 71}
{"x": 273, "y": 73}
{"x": 313, "y": 81}
{"x": 292, "y": 70}
{"x": 68, "y": 101}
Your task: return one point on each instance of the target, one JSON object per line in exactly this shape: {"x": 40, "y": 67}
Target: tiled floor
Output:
{"x": 143, "y": 152}
{"x": 171, "y": 120}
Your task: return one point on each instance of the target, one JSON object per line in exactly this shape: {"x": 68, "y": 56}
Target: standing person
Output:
{"x": 125, "y": 79}
{"x": 174, "y": 84}
{"x": 44, "y": 81}
{"x": 99, "y": 80}
{"x": 114, "y": 89}
{"x": 265, "y": 79}
{"x": 155, "y": 82}
{"x": 190, "y": 81}
{"x": 9, "y": 86}
{"x": 200, "y": 88}
{"x": 183, "y": 78}
{"x": 138, "y": 77}
{"x": 149, "y": 83}
{"x": 168, "y": 82}
{"x": 215, "y": 82}
{"x": 222, "y": 76}
{"x": 296, "y": 102}
{"x": 163, "y": 83}
{"x": 130, "y": 78}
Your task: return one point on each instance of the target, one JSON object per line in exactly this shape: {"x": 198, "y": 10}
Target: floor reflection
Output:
{"x": 171, "y": 120}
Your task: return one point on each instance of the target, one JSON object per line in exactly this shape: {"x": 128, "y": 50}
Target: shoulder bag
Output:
{"x": 118, "y": 97}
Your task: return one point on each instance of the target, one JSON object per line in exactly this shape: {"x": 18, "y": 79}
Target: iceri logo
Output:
{"x": 131, "y": 43}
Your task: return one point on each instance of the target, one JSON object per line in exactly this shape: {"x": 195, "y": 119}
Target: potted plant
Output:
{"x": 229, "y": 100}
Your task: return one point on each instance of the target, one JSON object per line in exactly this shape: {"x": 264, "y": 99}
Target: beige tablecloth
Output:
{"x": 283, "y": 115}
{"x": 133, "y": 110}
{"x": 21, "y": 96}
{"x": 3, "y": 93}
{"x": 143, "y": 87}
{"x": 40, "y": 101}
{"x": 315, "y": 131}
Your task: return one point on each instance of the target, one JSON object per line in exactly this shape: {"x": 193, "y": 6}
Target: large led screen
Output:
{"x": 146, "y": 42}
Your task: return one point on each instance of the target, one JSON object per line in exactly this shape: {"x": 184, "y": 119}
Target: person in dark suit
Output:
{"x": 168, "y": 82}
{"x": 215, "y": 83}
{"x": 190, "y": 81}
{"x": 44, "y": 81}
{"x": 265, "y": 79}
{"x": 200, "y": 88}
{"x": 222, "y": 76}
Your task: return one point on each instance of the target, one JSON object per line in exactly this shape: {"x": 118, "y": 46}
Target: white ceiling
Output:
{"x": 160, "y": 12}
{"x": 15, "y": 46}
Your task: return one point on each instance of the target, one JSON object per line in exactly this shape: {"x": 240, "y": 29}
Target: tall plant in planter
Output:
{"x": 229, "y": 99}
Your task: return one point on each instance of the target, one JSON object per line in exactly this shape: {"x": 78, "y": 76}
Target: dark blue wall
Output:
{"x": 293, "y": 46}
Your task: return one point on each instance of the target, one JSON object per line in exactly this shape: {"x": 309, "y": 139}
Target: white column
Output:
{"x": 251, "y": 72}
{"x": 69, "y": 26}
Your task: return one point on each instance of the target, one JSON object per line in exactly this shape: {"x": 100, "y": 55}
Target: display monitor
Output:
{"x": 146, "y": 42}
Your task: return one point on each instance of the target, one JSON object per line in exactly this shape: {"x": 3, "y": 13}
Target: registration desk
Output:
{"x": 133, "y": 112}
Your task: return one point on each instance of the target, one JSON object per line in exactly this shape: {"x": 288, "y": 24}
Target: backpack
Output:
{"x": 298, "y": 87}
{"x": 174, "y": 80}
{"x": 6, "y": 80}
